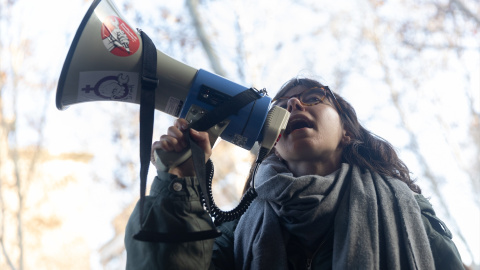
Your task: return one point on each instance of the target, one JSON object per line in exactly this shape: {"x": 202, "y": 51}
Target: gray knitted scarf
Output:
{"x": 377, "y": 222}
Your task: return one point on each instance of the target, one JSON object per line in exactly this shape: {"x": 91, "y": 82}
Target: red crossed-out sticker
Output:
{"x": 118, "y": 37}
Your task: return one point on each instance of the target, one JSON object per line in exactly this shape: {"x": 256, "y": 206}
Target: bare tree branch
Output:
{"x": 465, "y": 10}
{"x": 240, "y": 48}
{"x": 202, "y": 35}
{"x": 3, "y": 141}
{"x": 422, "y": 46}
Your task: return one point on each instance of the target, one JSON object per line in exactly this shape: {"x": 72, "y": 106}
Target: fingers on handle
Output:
{"x": 181, "y": 124}
{"x": 203, "y": 141}
{"x": 175, "y": 139}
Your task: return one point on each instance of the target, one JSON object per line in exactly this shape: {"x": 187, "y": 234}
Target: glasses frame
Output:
{"x": 325, "y": 89}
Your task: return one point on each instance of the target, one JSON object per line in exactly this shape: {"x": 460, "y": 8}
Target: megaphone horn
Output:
{"x": 104, "y": 64}
{"x": 110, "y": 61}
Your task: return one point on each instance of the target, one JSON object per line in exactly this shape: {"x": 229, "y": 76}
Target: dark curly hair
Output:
{"x": 366, "y": 150}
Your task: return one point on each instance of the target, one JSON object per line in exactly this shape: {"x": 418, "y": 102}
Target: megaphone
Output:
{"x": 106, "y": 62}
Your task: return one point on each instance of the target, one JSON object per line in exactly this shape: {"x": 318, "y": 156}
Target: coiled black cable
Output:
{"x": 218, "y": 214}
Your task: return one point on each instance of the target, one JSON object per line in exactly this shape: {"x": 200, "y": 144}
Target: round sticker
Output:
{"x": 118, "y": 37}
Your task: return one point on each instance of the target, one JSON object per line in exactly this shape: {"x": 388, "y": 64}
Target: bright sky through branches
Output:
{"x": 258, "y": 45}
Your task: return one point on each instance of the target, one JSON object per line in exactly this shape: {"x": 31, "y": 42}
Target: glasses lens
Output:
{"x": 310, "y": 97}
{"x": 313, "y": 96}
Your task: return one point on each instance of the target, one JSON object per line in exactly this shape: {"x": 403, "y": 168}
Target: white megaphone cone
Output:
{"x": 104, "y": 63}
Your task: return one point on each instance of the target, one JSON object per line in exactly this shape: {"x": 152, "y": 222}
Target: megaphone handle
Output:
{"x": 165, "y": 160}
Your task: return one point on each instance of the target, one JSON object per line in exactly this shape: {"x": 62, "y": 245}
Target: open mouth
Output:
{"x": 296, "y": 124}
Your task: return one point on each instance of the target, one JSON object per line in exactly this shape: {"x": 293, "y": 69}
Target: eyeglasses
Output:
{"x": 310, "y": 97}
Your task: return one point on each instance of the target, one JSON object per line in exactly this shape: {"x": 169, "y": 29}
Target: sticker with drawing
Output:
{"x": 118, "y": 37}
{"x": 108, "y": 85}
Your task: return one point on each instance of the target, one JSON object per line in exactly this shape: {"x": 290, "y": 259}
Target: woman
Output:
{"x": 330, "y": 195}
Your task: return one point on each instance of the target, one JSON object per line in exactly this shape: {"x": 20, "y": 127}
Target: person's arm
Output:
{"x": 173, "y": 206}
{"x": 444, "y": 251}
{"x": 223, "y": 256}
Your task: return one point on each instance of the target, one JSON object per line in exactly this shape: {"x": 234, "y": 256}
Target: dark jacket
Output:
{"x": 174, "y": 205}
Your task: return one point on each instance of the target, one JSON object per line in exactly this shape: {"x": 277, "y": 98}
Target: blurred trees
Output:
{"x": 34, "y": 184}
{"x": 18, "y": 162}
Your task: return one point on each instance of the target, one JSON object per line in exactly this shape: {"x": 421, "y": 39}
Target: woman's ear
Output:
{"x": 346, "y": 138}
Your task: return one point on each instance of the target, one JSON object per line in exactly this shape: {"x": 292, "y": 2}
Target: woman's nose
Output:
{"x": 294, "y": 103}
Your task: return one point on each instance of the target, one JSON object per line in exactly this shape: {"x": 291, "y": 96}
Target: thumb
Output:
{"x": 203, "y": 140}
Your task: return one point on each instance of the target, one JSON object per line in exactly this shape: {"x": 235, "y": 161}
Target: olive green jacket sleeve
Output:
{"x": 173, "y": 206}
{"x": 444, "y": 251}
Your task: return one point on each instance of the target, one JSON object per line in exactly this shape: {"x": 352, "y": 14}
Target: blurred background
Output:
{"x": 70, "y": 179}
